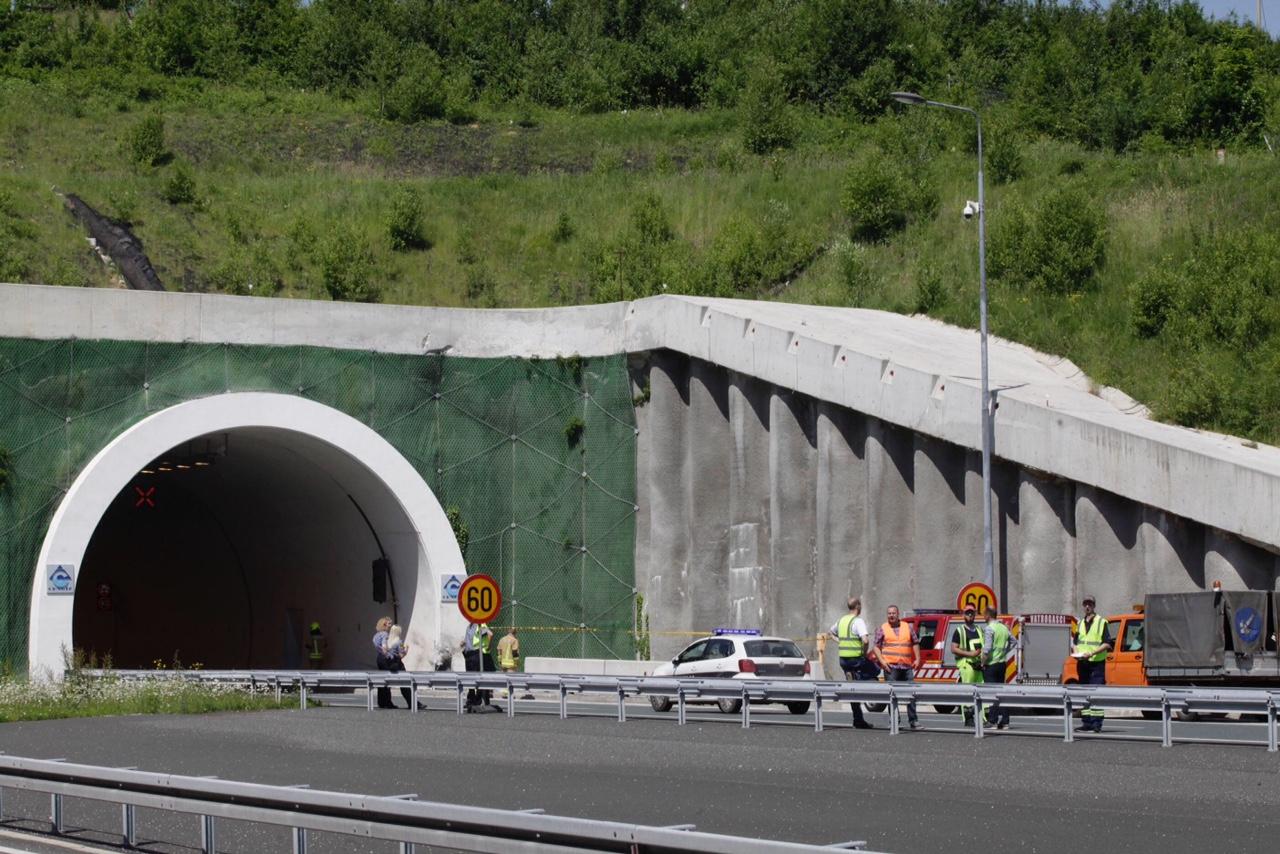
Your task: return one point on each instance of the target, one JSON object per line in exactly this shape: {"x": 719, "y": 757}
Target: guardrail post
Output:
{"x": 622, "y": 705}
{"x": 680, "y": 707}
{"x": 458, "y": 685}
{"x": 413, "y": 695}
{"x": 978, "y": 731}
{"x": 302, "y": 694}
{"x": 208, "y": 835}
{"x": 511, "y": 699}
{"x": 1166, "y": 722}
{"x": 1066, "y": 718}
{"x": 55, "y": 813}
{"x": 893, "y": 712}
{"x": 1272, "y": 746}
{"x": 277, "y": 686}
{"x": 407, "y": 848}
{"x": 368, "y": 695}
{"x": 128, "y": 825}
{"x": 817, "y": 710}
{"x": 299, "y": 840}
{"x": 746, "y": 708}
{"x": 564, "y": 701}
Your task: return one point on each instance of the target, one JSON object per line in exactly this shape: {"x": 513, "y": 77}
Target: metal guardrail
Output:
{"x": 1067, "y": 699}
{"x": 398, "y": 819}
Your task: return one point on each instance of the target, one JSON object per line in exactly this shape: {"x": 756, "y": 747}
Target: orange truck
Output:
{"x": 1210, "y": 638}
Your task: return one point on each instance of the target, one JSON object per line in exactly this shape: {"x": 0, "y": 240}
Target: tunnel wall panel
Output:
{"x": 537, "y": 456}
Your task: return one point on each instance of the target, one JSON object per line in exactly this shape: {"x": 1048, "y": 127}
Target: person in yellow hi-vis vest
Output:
{"x": 509, "y": 653}
{"x": 317, "y": 646}
{"x": 1093, "y": 642}
{"x": 966, "y": 646}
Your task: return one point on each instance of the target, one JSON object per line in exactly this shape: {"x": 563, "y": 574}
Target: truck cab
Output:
{"x": 1124, "y": 662}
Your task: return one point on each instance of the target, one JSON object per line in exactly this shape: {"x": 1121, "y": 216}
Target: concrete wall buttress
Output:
{"x": 709, "y": 446}
{"x": 750, "y": 558}
{"x": 890, "y": 519}
{"x": 1238, "y": 565}
{"x": 793, "y": 458}
{"x": 1109, "y": 560}
{"x": 1042, "y": 565}
{"x": 668, "y": 557}
{"x": 841, "y": 509}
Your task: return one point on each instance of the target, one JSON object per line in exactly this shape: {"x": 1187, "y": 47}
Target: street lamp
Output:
{"x": 912, "y": 99}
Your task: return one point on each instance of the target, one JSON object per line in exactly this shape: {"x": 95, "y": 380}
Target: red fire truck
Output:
{"x": 1043, "y": 641}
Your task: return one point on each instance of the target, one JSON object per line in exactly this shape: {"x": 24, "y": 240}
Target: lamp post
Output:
{"x": 988, "y": 562}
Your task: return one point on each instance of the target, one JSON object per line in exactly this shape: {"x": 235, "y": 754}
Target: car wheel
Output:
{"x": 875, "y": 707}
{"x": 799, "y": 707}
{"x": 944, "y": 710}
{"x": 660, "y": 704}
{"x": 728, "y": 706}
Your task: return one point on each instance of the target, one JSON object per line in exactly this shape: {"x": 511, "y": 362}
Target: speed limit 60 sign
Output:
{"x": 977, "y": 596}
{"x": 479, "y": 599}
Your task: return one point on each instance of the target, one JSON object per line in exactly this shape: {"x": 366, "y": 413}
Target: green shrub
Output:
{"x": 346, "y": 268}
{"x": 573, "y": 430}
{"x": 855, "y": 277}
{"x": 749, "y": 256}
{"x": 1057, "y": 246}
{"x": 404, "y": 220}
{"x": 481, "y": 287}
{"x": 1004, "y": 156}
{"x": 931, "y": 293}
{"x": 767, "y": 124}
{"x": 6, "y": 467}
{"x": 1151, "y": 298}
{"x": 879, "y": 199}
{"x": 460, "y": 530}
{"x": 179, "y": 188}
{"x": 145, "y": 143}
{"x": 563, "y": 231}
{"x": 419, "y": 92}
{"x": 645, "y": 259}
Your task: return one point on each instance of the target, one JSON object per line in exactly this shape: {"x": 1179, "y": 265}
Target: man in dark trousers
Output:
{"x": 1093, "y": 642}
{"x": 475, "y": 651}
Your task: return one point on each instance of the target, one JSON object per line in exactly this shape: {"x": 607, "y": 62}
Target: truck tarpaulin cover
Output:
{"x": 1184, "y": 630}
{"x": 1248, "y": 612}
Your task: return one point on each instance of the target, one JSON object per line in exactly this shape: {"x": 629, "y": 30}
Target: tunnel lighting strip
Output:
{"x": 1066, "y": 699}
{"x": 397, "y": 819}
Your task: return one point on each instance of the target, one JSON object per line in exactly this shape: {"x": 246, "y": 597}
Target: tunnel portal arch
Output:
{"x": 302, "y": 458}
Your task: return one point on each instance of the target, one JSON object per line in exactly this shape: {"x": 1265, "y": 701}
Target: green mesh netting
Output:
{"x": 538, "y": 456}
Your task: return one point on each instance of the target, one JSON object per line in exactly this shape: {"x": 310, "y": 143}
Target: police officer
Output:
{"x": 1093, "y": 642}
{"x": 997, "y": 649}
{"x": 850, "y": 631}
{"x": 966, "y": 646}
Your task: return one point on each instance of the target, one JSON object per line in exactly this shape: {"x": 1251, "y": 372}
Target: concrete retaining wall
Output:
{"x": 765, "y": 508}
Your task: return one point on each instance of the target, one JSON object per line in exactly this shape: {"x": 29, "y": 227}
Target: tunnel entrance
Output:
{"x": 219, "y": 549}
{"x": 222, "y": 551}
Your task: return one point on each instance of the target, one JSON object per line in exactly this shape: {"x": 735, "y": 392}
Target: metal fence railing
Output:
{"x": 1065, "y": 699}
{"x": 399, "y": 819}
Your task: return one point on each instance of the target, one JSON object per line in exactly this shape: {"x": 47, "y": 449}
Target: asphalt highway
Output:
{"x": 917, "y": 792}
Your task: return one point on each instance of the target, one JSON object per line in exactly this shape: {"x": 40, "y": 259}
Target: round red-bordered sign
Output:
{"x": 977, "y": 596}
{"x": 479, "y": 599}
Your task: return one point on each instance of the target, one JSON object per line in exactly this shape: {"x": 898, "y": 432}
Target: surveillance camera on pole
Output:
{"x": 971, "y": 209}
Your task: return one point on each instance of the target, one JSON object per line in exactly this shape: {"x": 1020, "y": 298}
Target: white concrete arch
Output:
{"x": 327, "y": 447}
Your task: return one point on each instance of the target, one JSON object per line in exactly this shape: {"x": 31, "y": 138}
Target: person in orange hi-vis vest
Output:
{"x": 898, "y": 650}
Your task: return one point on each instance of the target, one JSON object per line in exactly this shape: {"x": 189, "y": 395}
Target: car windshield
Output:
{"x": 772, "y": 649}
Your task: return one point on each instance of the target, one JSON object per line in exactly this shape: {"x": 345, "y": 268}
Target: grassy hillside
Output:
{"x": 1116, "y": 238}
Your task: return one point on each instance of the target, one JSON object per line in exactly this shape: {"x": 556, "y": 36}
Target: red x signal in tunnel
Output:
{"x": 146, "y": 497}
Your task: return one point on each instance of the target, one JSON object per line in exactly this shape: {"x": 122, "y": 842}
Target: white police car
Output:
{"x": 736, "y": 654}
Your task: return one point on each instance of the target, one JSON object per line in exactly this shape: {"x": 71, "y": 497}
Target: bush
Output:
{"x": 404, "y": 220}
{"x": 563, "y": 232}
{"x": 645, "y": 259}
{"x": 1058, "y": 246}
{"x": 1004, "y": 156}
{"x": 419, "y": 92}
{"x": 766, "y": 117}
{"x": 145, "y": 143}
{"x": 880, "y": 200}
{"x": 346, "y": 267}
{"x": 180, "y": 187}
{"x": 931, "y": 294}
{"x": 856, "y": 278}
{"x": 6, "y": 467}
{"x": 1151, "y": 299}
{"x": 749, "y": 256}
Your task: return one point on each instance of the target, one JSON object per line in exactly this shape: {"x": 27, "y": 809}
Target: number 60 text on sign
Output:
{"x": 479, "y": 599}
